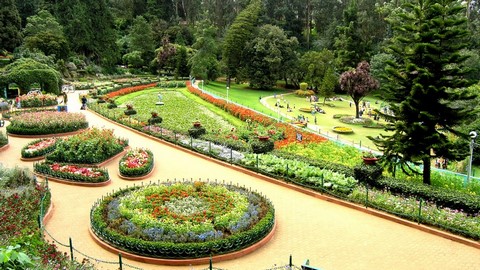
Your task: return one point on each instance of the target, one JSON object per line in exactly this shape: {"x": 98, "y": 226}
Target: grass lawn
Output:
{"x": 242, "y": 94}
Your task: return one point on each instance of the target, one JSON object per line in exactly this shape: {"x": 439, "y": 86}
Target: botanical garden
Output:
{"x": 240, "y": 135}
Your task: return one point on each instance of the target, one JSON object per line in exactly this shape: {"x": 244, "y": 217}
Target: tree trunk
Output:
{"x": 356, "y": 108}
{"x": 426, "y": 170}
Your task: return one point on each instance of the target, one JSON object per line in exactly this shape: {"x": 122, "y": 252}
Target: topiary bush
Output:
{"x": 197, "y": 130}
{"x": 262, "y": 146}
{"x": 368, "y": 174}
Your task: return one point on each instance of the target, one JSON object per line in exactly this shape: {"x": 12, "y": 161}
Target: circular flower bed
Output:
{"x": 182, "y": 220}
{"x": 39, "y": 148}
{"x": 70, "y": 172}
{"x": 355, "y": 121}
{"x": 46, "y": 122}
{"x": 307, "y": 110}
{"x": 136, "y": 162}
{"x": 343, "y": 130}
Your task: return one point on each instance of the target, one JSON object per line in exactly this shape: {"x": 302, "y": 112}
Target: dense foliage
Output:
{"x": 88, "y": 147}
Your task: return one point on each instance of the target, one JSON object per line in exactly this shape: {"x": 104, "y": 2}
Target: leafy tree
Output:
{"x": 354, "y": 40}
{"x": 133, "y": 59}
{"x": 165, "y": 56}
{"x": 426, "y": 84}
{"x": 204, "y": 63}
{"x": 329, "y": 82}
{"x": 239, "y": 33}
{"x": 141, "y": 39}
{"x": 27, "y": 8}
{"x": 266, "y": 54}
{"x": 89, "y": 28}
{"x": 315, "y": 65}
{"x": 10, "y": 26}
{"x": 181, "y": 62}
{"x": 358, "y": 83}
{"x": 43, "y": 32}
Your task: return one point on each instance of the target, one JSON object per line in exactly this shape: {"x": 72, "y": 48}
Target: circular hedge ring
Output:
{"x": 182, "y": 220}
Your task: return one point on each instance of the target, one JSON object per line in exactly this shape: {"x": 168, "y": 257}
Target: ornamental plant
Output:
{"x": 39, "y": 147}
{"x": 46, "y": 122}
{"x": 155, "y": 119}
{"x": 3, "y": 139}
{"x": 38, "y": 100}
{"x": 130, "y": 110}
{"x": 136, "y": 162}
{"x": 182, "y": 220}
{"x": 70, "y": 172}
{"x": 91, "y": 146}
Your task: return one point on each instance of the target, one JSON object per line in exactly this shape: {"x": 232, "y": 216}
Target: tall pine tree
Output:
{"x": 426, "y": 84}
{"x": 10, "y": 26}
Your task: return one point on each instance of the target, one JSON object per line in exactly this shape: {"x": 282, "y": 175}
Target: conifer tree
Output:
{"x": 10, "y": 26}
{"x": 425, "y": 85}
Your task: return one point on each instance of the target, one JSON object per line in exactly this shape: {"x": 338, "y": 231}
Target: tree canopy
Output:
{"x": 426, "y": 83}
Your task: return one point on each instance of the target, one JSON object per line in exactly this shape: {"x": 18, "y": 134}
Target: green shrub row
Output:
{"x": 20, "y": 130}
{"x": 440, "y": 196}
{"x": 44, "y": 168}
{"x": 117, "y": 87}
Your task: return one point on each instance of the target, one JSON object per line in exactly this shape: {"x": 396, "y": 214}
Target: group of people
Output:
{"x": 441, "y": 163}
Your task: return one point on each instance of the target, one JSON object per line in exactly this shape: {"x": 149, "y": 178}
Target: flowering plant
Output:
{"x": 369, "y": 154}
{"x": 39, "y": 148}
{"x": 136, "y": 162}
{"x": 46, "y": 122}
{"x": 71, "y": 172}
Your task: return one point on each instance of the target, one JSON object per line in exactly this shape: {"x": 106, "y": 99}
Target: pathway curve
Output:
{"x": 329, "y": 235}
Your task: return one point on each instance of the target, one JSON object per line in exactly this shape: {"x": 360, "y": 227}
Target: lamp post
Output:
{"x": 473, "y": 135}
{"x": 228, "y": 88}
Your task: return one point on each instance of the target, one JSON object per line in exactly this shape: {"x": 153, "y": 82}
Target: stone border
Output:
{"x": 33, "y": 158}
{"x": 3, "y": 148}
{"x": 72, "y": 183}
{"x": 184, "y": 262}
{"x": 45, "y": 135}
{"x": 424, "y": 228}
{"x": 141, "y": 177}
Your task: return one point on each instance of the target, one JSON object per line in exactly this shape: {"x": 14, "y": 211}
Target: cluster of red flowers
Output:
{"x": 128, "y": 90}
{"x": 237, "y": 111}
{"x": 290, "y": 132}
{"x": 41, "y": 144}
{"x": 74, "y": 169}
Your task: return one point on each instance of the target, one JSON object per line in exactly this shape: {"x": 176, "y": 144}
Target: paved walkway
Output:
{"x": 331, "y": 236}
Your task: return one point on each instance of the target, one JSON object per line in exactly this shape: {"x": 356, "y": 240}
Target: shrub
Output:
{"x": 196, "y": 131}
{"x": 3, "y": 139}
{"x": 303, "y": 86}
{"x": 15, "y": 177}
{"x": 155, "y": 119}
{"x": 304, "y": 93}
{"x": 88, "y": 147}
{"x": 368, "y": 174}
{"x": 38, "y": 100}
{"x": 262, "y": 146}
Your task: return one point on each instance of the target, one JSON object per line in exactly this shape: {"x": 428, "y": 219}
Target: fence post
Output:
{"x": 209, "y": 146}
{"x": 420, "y": 211}
{"x": 46, "y": 182}
{"x": 191, "y": 142}
{"x": 210, "y": 264}
{"x": 360, "y": 143}
{"x": 322, "y": 178}
{"x": 175, "y": 135}
{"x": 290, "y": 262}
{"x": 231, "y": 155}
{"x": 71, "y": 248}
{"x": 257, "y": 161}
{"x": 287, "y": 171}
{"x": 120, "y": 260}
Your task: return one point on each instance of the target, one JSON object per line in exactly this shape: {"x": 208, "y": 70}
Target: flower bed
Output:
{"x": 46, "y": 122}
{"x": 88, "y": 147}
{"x": 182, "y": 220}
{"x": 39, "y": 148}
{"x": 38, "y": 100}
{"x": 71, "y": 172}
{"x": 343, "y": 130}
{"x": 136, "y": 162}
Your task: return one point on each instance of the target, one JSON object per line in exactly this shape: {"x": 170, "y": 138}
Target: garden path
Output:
{"x": 329, "y": 235}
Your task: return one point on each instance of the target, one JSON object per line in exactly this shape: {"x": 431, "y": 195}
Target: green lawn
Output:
{"x": 242, "y": 94}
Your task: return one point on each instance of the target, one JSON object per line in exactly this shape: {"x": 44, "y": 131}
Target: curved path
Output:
{"x": 329, "y": 235}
